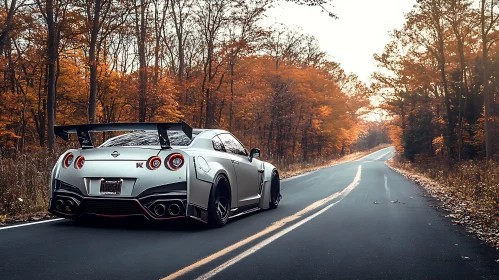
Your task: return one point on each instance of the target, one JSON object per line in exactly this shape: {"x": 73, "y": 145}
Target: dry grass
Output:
{"x": 24, "y": 182}
{"x": 469, "y": 190}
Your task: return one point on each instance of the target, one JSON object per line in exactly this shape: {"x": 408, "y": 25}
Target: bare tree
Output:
{"x": 243, "y": 33}
{"x": 7, "y": 25}
{"x": 141, "y": 33}
{"x": 49, "y": 12}
{"x": 181, "y": 11}
{"x": 212, "y": 17}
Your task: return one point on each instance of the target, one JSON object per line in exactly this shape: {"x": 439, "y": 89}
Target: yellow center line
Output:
{"x": 282, "y": 232}
{"x": 274, "y": 226}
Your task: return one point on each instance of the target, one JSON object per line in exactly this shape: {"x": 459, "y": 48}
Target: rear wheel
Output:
{"x": 220, "y": 201}
{"x": 275, "y": 190}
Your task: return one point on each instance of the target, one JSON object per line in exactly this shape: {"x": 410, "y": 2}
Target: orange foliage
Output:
{"x": 281, "y": 95}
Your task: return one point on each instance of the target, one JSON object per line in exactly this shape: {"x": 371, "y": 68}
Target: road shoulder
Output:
{"x": 460, "y": 211}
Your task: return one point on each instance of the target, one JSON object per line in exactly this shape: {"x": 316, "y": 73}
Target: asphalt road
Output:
{"x": 357, "y": 220}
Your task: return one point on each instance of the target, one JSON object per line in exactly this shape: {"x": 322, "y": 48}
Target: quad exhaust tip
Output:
{"x": 171, "y": 209}
{"x": 69, "y": 206}
{"x": 159, "y": 209}
{"x": 174, "y": 209}
{"x": 59, "y": 205}
{"x": 66, "y": 205}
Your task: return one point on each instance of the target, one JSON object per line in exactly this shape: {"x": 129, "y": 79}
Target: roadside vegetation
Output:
{"x": 469, "y": 190}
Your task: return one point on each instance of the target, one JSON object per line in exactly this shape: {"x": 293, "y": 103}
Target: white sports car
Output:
{"x": 161, "y": 171}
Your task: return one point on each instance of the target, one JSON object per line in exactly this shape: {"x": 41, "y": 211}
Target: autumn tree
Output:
{"x": 462, "y": 20}
{"x": 489, "y": 35}
{"x": 429, "y": 79}
{"x": 210, "y": 63}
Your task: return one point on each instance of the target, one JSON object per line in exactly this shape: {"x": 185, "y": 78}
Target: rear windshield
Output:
{"x": 147, "y": 138}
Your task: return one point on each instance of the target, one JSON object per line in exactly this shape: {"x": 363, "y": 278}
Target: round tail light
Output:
{"x": 80, "y": 161}
{"x": 68, "y": 160}
{"x": 174, "y": 161}
{"x": 154, "y": 163}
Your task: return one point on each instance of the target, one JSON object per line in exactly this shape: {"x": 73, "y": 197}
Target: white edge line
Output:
{"x": 32, "y": 223}
{"x": 272, "y": 238}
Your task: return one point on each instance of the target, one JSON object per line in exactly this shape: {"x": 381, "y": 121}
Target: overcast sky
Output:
{"x": 361, "y": 30}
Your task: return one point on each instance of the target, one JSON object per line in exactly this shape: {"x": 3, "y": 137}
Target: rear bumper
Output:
{"x": 158, "y": 203}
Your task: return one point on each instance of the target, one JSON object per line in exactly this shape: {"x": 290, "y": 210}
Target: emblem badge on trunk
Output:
{"x": 115, "y": 154}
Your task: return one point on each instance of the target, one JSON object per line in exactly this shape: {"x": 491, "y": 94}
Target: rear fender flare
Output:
{"x": 217, "y": 169}
{"x": 200, "y": 192}
{"x": 201, "y": 181}
{"x": 267, "y": 179}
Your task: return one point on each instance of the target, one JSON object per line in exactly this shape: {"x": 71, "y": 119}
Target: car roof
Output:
{"x": 207, "y": 133}
{"x": 204, "y": 137}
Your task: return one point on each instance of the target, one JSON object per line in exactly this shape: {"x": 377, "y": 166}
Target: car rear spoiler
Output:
{"x": 85, "y": 140}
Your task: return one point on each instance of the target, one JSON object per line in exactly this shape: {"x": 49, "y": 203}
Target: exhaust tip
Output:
{"x": 174, "y": 209}
{"x": 69, "y": 206}
{"x": 59, "y": 205}
{"x": 159, "y": 210}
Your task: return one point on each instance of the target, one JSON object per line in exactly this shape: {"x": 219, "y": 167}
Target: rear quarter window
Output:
{"x": 217, "y": 144}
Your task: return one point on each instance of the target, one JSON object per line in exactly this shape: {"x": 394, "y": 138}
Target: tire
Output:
{"x": 275, "y": 190}
{"x": 220, "y": 202}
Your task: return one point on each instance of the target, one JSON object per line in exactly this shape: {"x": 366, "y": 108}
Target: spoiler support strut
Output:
{"x": 85, "y": 140}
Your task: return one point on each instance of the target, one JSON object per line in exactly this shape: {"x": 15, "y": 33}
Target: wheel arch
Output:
{"x": 224, "y": 174}
{"x": 269, "y": 169}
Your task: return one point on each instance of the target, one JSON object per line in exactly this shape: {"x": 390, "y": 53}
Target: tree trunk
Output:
{"x": 485, "y": 81}
{"x": 52, "y": 58}
{"x": 210, "y": 112}
{"x": 4, "y": 34}
{"x": 92, "y": 62}
{"x": 487, "y": 106}
{"x": 462, "y": 91}
{"x": 142, "y": 63}
{"x": 39, "y": 115}
{"x": 442, "y": 63}
{"x": 231, "y": 105}
{"x": 178, "y": 21}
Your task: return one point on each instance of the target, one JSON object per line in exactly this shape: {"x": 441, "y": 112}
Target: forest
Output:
{"x": 213, "y": 64}
{"x": 210, "y": 63}
{"x": 437, "y": 78}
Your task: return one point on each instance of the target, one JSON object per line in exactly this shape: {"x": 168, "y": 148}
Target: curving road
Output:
{"x": 357, "y": 220}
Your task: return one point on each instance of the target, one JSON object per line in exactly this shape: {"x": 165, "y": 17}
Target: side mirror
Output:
{"x": 255, "y": 153}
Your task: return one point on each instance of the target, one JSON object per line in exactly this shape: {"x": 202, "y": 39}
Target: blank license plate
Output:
{"x": 110, "y": 187}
